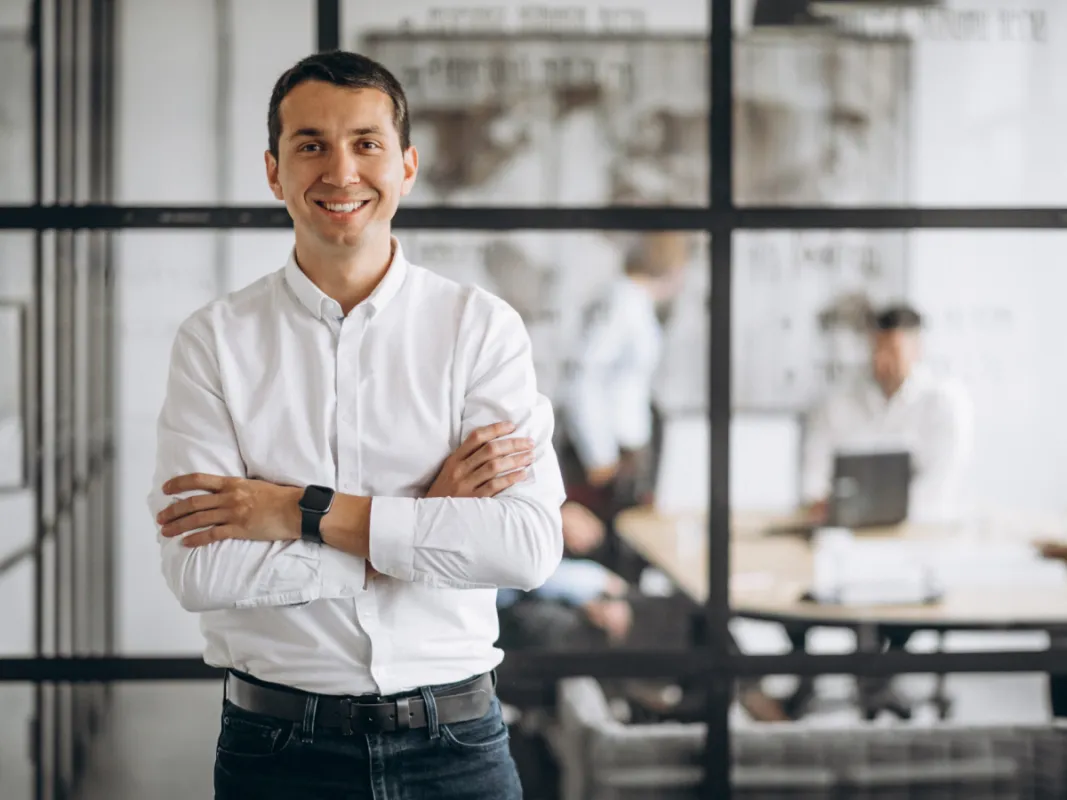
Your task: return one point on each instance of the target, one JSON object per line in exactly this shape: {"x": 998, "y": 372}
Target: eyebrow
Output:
{"x": 316, "y": 133}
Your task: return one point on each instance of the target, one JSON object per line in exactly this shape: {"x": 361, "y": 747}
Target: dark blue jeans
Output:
{"x": 265, "y": 758}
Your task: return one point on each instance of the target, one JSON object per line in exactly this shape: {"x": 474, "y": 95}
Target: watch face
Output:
{"x": 316, "y": 498}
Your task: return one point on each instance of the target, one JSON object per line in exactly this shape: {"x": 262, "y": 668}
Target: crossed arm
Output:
{"x": 235, "y": 541}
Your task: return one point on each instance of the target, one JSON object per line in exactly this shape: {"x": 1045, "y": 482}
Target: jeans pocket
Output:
{"x": 249, "y": 735}
{"x": 480, "y": 735}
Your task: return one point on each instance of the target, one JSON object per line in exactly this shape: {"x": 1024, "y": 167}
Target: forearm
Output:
{"x": 247, "y": 573}
{"x": 503, "y": 542}
{"x": 238, "y": 573}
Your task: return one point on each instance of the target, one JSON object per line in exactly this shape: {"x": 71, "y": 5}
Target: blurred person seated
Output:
{"x": 585, "y": 605}
{"x": 900, "y": 404}
{"x": 582, "y": 604}
{"x": 606, "y": 407}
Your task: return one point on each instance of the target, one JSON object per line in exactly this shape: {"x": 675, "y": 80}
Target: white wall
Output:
{"x": 989, "y": 121}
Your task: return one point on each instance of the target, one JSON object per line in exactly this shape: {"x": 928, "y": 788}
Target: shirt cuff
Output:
{"x": 392, "y": 536}
{"x": 341, "y": 574}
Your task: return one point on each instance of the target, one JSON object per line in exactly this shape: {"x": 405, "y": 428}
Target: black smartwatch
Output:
{"x": 316, "y": 501}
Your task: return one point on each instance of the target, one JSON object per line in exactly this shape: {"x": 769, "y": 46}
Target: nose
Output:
{"x": 341, "y": 169}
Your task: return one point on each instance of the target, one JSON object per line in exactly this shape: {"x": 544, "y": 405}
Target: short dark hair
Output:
{"x": 897, "y": 317}
{"x": 341, "y": 68}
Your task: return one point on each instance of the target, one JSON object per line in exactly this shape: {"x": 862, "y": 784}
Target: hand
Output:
{"x": 476, "y": 468}
{"x": 234, "y": 508}
{"x": 582, "y": 529}
{"x": 601, "y": 476}
{"x": 1052, "y": 550}
{"x": 817, "y": 513}
{"x": 614, "y": 617}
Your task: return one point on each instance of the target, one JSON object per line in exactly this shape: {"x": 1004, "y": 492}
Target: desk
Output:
{"x": 769, "y": 574}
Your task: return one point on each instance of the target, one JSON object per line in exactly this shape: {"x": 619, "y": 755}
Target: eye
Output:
{"x": 370, "y": 145}
{"x": 309, "y": 147}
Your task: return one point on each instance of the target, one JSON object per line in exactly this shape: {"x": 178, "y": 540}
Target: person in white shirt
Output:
{"x": 899, "y": 404}
{"x": 606, "y": 403}
{"x": 353, "y": 456}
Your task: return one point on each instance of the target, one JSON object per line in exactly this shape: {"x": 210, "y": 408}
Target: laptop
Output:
{"x": 870, "y": 489}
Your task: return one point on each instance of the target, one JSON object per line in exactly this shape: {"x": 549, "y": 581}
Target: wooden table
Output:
{"x": 770, "y": 573}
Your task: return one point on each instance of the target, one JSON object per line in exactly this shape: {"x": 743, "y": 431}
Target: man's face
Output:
{"x": 893, "y": 355}
{"x": 340, "y": 169}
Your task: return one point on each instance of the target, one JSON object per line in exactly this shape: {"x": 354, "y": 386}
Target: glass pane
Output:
{"x": 896, "y": 438}
{"x": 16, "y": 770}
{"x": 978, "y": 752}
{"x": 566, "y": 286}
{"x": 900, "y": 104}
{"x": 137, "y": 757}
{"x": 548, "y": 105}
{"x": 16, "y": 108}
{"x": 212, "y": 122}
{"x": 16, "y": 261}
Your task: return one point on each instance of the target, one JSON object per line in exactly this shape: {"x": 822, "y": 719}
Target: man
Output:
{"x": 899, "y": 404}
{"x": 344, "y": 577}
{"x": 607, "y": 401}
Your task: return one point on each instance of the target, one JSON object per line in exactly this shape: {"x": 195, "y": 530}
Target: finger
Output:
{"x": 497, "y": 485}
{"x": 201, "y": 538}
{"x": 201, "y": 519}
{"x": 498, "y": 466}
{"x": 195, "y": 481}
{"x": 497, "y": 448}
{"x": 190, "y": 505}
{"x": 480, "y": 436}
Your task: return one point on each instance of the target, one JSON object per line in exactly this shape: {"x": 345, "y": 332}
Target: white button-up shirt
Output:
{"x": 272, "y": 382}
{"x": 608, "y": 398}
{"x": 929, "y": 417}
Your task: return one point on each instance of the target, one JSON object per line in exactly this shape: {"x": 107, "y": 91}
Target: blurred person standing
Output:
{"x": 607, "y": 411}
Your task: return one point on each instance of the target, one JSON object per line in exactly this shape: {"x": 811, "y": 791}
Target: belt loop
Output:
{"x": 307, "y": 733}
{"x": 225, "y": 687}
{"x": 429, "y": 702}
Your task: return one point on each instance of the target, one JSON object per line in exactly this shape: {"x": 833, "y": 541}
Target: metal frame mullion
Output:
{"x": 98, "y": 216}
{"x": 327, "y": 25}
{"x": 720, "y": 687}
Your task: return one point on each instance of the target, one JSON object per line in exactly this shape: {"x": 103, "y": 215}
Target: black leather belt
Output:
{"x": 458, "y": 703}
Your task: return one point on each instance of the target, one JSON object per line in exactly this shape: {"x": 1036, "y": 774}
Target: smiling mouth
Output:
{"x": 341, "y": 209}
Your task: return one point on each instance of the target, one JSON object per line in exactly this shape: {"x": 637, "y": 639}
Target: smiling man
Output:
{"x": 353, "y": 456}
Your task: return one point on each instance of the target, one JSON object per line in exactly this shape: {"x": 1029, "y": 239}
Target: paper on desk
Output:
{"x": 872, "y": 572}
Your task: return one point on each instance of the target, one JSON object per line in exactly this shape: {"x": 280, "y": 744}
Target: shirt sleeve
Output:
{"x": 515, "y": 539}
{"x": 195, "y": 433}
{"x": 588, "y": 405}
{"x": 946, "y": 453}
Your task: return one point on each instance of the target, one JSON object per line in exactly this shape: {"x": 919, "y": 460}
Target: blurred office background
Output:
{"x": 158, "y": 109}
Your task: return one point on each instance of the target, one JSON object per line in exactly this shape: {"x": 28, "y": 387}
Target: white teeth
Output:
{"x": 343, "y": 208}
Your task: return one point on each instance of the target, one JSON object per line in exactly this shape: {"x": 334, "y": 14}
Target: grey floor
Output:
{"x": 160, "y": 740}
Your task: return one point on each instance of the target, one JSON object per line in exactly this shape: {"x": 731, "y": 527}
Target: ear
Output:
{"x": 411, "y": 169}
{"x": 272, "y": 175}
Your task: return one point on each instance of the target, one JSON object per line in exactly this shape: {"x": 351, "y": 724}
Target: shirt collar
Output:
{"x": 912, "y": 386}
{"x": 319, "y": 303}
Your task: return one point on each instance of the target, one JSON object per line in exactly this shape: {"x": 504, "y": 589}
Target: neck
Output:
{"x": 350, "y": 274}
